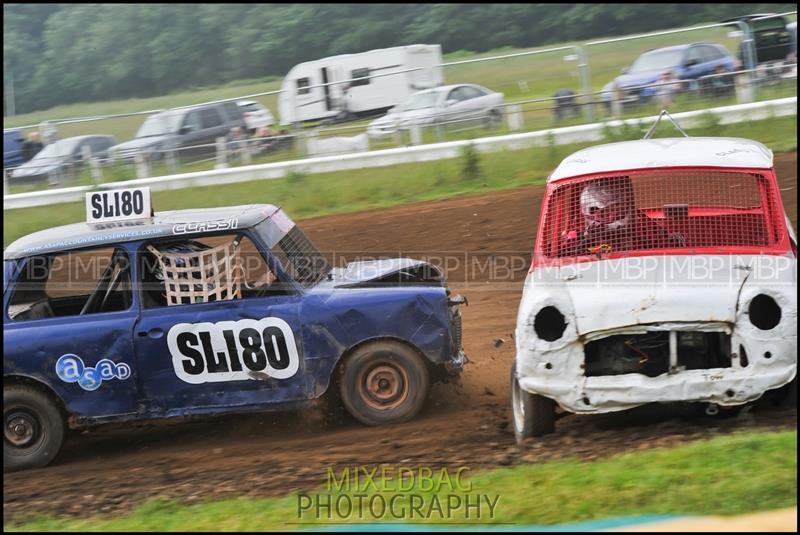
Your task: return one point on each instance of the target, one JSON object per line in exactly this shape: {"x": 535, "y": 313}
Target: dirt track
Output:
{"x": 114, "y": 469}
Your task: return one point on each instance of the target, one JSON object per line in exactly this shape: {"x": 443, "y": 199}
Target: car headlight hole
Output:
{"x": 549, "y": 324}
{"x": 764, "y": 312}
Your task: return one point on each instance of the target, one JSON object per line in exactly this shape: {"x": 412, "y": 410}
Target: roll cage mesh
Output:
{"x": 663, "y": 209}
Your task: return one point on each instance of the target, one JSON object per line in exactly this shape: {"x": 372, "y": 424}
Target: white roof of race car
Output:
{"x": 665, "y": 152}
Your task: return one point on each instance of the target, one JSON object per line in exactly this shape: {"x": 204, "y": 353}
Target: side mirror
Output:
{"x": 185, "y": 129}
{"x": 625, "y": 70}
{"x": 450, "y": 102}
{"x": 691, "y": 62}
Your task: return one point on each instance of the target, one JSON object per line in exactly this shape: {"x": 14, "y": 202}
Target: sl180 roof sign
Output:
{"x": 118, "y": 205}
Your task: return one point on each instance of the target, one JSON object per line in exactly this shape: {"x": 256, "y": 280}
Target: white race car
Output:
{"x": 664, "y": 270}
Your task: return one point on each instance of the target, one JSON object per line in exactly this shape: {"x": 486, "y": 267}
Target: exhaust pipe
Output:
{"x": 712, "y": 409}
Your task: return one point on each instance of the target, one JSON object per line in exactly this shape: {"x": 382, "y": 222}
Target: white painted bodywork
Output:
{"x": 669, "y": 152}
{"x": 651, "y": 293}
{"x": 381, "y": 92}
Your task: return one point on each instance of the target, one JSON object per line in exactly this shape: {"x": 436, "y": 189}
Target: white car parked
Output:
{"x": 452, "y": 104}
{"x": 664, "y": 270}
{"x": 255, "y": 114}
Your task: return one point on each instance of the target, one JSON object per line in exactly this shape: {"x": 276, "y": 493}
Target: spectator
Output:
{"x": 667, "y": 88}
{"x": 31, "y": 146}
{"x": 566, "y": 106}
{"x": 263, "y": 139}
{"x": 721, "y": 82}
{"x": 235, "y": 141}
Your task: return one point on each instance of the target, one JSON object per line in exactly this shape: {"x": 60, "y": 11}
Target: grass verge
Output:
{"x": 726, "y": 475}
{"x": 305, "y": 196}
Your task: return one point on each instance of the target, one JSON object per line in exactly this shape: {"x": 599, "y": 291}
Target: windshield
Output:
{"x": 57, "y": 149}
{"x": 658, "y": 60}
{"x": 158, "y": 125}
{"x": 772, "y": 23}
{"x": 298, "y": 256}
{"x": 420, "y": 101}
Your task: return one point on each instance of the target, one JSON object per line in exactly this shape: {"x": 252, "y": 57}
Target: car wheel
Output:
{"x": 33, "y": 428}
{"x": 532, "y": 415}
{"x": 384, "y": 382}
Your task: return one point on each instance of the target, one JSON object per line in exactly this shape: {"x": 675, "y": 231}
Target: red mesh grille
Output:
{"x": 659, "y": 210}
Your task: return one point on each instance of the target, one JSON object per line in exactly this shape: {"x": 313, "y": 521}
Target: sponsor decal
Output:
{"x": 206, "y": 226}
{"x": 70, "y": 369}
{"x": 233, "y": 350}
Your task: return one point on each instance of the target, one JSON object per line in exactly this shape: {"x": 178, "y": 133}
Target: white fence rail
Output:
{"x": 421, "y": 153}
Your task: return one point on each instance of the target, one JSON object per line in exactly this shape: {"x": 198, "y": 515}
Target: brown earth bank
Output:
{"x": 484, "y": 241}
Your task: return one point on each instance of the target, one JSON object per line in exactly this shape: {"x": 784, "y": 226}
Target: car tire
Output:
{"x": 532, "y": 415}
{"x": 384, "y": 382}
{"x": 33, "y": 428}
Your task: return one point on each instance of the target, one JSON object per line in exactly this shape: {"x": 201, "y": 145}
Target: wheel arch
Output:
{"x": 31, "y": 382}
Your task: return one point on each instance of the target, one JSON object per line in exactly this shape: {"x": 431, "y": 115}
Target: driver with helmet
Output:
{"x": 611, "y": 222}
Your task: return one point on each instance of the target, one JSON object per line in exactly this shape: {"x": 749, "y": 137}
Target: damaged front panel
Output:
{"x": 594, "y": 342}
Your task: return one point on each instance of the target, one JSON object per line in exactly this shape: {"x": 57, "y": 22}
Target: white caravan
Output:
{"x": 372, "y": 91}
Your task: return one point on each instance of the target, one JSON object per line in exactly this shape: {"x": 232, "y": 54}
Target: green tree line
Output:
{"x": 64, "y": 53}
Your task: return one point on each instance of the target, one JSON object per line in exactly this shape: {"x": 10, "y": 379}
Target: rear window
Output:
{"x": 659, "y": 210}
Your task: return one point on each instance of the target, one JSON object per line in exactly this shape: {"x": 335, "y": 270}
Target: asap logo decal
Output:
{"x": 233, "y": 350}
{"x": 70, "y": 369}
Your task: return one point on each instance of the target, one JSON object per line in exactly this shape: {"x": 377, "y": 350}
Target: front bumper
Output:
{"x": 725, "y": 387}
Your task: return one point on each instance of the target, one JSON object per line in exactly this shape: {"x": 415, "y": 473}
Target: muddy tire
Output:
{"x": 33, "y": 428}
{"x": 532, "y": 415}
{"x": 384, "y": 382}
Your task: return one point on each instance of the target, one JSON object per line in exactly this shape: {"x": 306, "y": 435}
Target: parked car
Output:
{"x": 441, "y": 105}
{"x": 771, "y": 36}
{"x": 12, "y": 147}
{"x": 191, "y": 131}
{"x": 62, "y": 159}
{"x": 255, "y": 114}
{"x": 685, "y": 62}
{"x": 664, "y": 270}
{"x": 210, "y": 311}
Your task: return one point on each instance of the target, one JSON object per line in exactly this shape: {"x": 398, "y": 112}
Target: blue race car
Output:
{"x": 207, "y": 312}
{"x": 685, "y": 62}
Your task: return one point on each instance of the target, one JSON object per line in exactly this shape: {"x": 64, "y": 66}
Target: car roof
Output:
{"x": 162, "y": 224}
{"x": 752, "y": 16}
{"x": 77, "y": 138}
{"x": 665, "y": 152}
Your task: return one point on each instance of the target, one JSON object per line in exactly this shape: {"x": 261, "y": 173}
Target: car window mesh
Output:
{"x": 214, "y": 274}
{"x": 660, "y": 210}
{"x": 299, "y": 256}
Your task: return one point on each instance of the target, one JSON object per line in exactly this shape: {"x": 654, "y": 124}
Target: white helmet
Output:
{"x": 607, "y": 203}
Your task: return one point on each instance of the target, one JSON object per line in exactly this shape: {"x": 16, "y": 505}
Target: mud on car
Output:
{"x": 664, "y": 270}
{"x": 207, "y": 312}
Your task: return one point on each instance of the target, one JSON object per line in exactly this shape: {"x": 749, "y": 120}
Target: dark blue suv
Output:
{"x": 685, "y": 62}
{"x": 209, "y": 311}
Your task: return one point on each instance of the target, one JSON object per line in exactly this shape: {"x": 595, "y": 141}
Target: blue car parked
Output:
{"x": 209, "y": 311}
{"x": 685, "y": 62}
{"x": 12, "y": 148}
